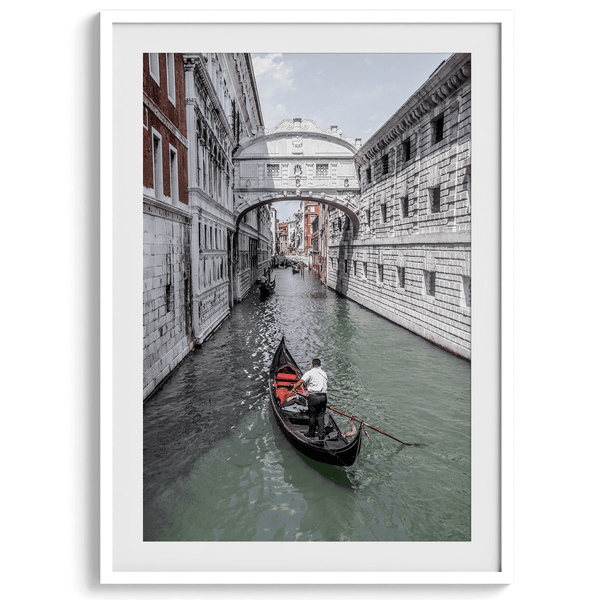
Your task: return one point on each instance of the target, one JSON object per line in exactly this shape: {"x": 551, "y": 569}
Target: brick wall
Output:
{"x": 167, "y": 289}
{"x": 169, "y": 121}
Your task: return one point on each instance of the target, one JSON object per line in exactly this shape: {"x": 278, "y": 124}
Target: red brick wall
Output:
{"x": 175, "y": 114}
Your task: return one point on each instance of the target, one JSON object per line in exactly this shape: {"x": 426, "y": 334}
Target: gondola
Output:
{"x": 266, "y": 289}
{"x": 292, "y": 417}
{"x": 295, "y": 269}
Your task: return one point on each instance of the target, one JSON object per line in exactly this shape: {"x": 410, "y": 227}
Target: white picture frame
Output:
{"x": 124, "y": 36}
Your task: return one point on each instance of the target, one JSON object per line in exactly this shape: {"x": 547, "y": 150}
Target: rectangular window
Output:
{"x": 272, "y": 170}
{"x": 429, "y": 282}
{"x": 169, "y": 301}
{"x": 406, "y": 149}
{"x": 368, "y": 213}
{"x": 405, "y": 213}
{"x": 438, "y": 129}
{"x": 385, "y": 164}
{"x": 154, "y": 72}
{"x": 434, "y": 198}
{"x": 345, "y": 265}
{"x": 171, "y": 78}
{"x": 174, "y": 176}
{"x": 322, "y": 170}
{"x": 380, "y": 273}
{"x": 401, "y": 276}
{"x": 157, "y": 164}
{"x": 368, "y": 174}
{"x": 365, "y": 269}
{"x": 466, "y": 281}
{"x": 354, "y": 267}
{"x": 383, "y": 213}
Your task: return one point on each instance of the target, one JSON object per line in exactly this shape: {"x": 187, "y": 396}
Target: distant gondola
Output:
{"x": 266, "y": 289}
{"x": 292, "y": 418}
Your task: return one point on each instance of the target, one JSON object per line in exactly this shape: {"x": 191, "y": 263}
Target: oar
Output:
{"x": 366, "y": 424}
{"x": 375, "y": 428}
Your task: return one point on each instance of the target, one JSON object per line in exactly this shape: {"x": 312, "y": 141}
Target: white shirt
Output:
{"x": 316, "y": 381}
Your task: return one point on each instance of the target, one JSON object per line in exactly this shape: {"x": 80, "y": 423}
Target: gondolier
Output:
{"x": 316, "y": 385}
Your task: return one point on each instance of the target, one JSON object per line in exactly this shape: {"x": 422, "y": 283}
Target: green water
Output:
{"x": 216, "y": 467}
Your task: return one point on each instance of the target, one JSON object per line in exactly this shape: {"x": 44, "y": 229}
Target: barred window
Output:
{"x": 385, "y": 164}
{"x": 272, "y": 170}
{"x": 368, "y": 174}
{"x": 466, "y": 290}
{"x": 383, "y": 213}
{"x": 407, "y": 149}
{"x": 354, "y": 273}
{"x": 380, "y": 273}
{"x": 434, "y": 196}
{"x": 429, "y": 282}
{"x": 322, "y": 170}
{"x": 368, "y": 215}
{"x": 438, "y": 129}
{"x": 365, "y": 270}
{"x": 401, "y": 276}
{"x": 405, "y": 212}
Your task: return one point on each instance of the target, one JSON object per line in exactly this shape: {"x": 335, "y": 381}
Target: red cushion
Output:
{"x": 286, "y": 377}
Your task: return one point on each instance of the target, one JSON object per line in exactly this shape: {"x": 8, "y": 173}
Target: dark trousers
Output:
{"x": 316, "y": 414}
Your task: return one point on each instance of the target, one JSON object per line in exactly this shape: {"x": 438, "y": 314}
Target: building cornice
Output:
{"x": 452, "y": 237}
{"x": 169, "y": 208}
{"x": 449, "y": 77}
{"x": 250, "y": 68}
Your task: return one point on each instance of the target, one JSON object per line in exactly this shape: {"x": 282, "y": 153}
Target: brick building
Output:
{"x": 167, "y": 266}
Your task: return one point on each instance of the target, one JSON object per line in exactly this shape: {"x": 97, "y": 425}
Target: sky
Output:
{"x": 356, "y": 92}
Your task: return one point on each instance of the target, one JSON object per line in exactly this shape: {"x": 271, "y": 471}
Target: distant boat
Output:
{"x": 266, "y": 289}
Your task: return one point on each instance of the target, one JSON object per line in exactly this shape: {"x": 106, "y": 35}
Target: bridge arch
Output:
{"x": 297, "y": 162}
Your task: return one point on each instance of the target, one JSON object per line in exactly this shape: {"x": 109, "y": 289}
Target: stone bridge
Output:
{"x": 297, "y": 161}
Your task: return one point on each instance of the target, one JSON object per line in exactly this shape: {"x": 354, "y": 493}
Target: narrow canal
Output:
{"x": 216, "y": 466}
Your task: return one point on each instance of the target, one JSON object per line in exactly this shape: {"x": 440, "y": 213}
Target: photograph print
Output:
{"x": 306, "y": 297}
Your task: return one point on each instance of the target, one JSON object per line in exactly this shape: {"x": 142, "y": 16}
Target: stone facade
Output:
{"x": 410, "y": 259}
{"x": 167, "y": 267}
{"x": 222, "y": 110}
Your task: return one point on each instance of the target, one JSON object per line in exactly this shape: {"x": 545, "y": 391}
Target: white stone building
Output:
{"x": 410, "y": 259}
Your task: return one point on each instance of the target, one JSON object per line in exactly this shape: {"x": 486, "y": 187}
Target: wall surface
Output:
{"x": 167, "y": 279}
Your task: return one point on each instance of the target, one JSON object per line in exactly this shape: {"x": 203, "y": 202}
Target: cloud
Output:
{"x": 273, "y": 73}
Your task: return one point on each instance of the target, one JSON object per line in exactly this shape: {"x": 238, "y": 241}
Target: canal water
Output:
{"x": 217, "y": 467}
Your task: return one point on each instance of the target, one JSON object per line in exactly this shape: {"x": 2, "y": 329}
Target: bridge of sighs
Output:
{"x": 297, "y": 161}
